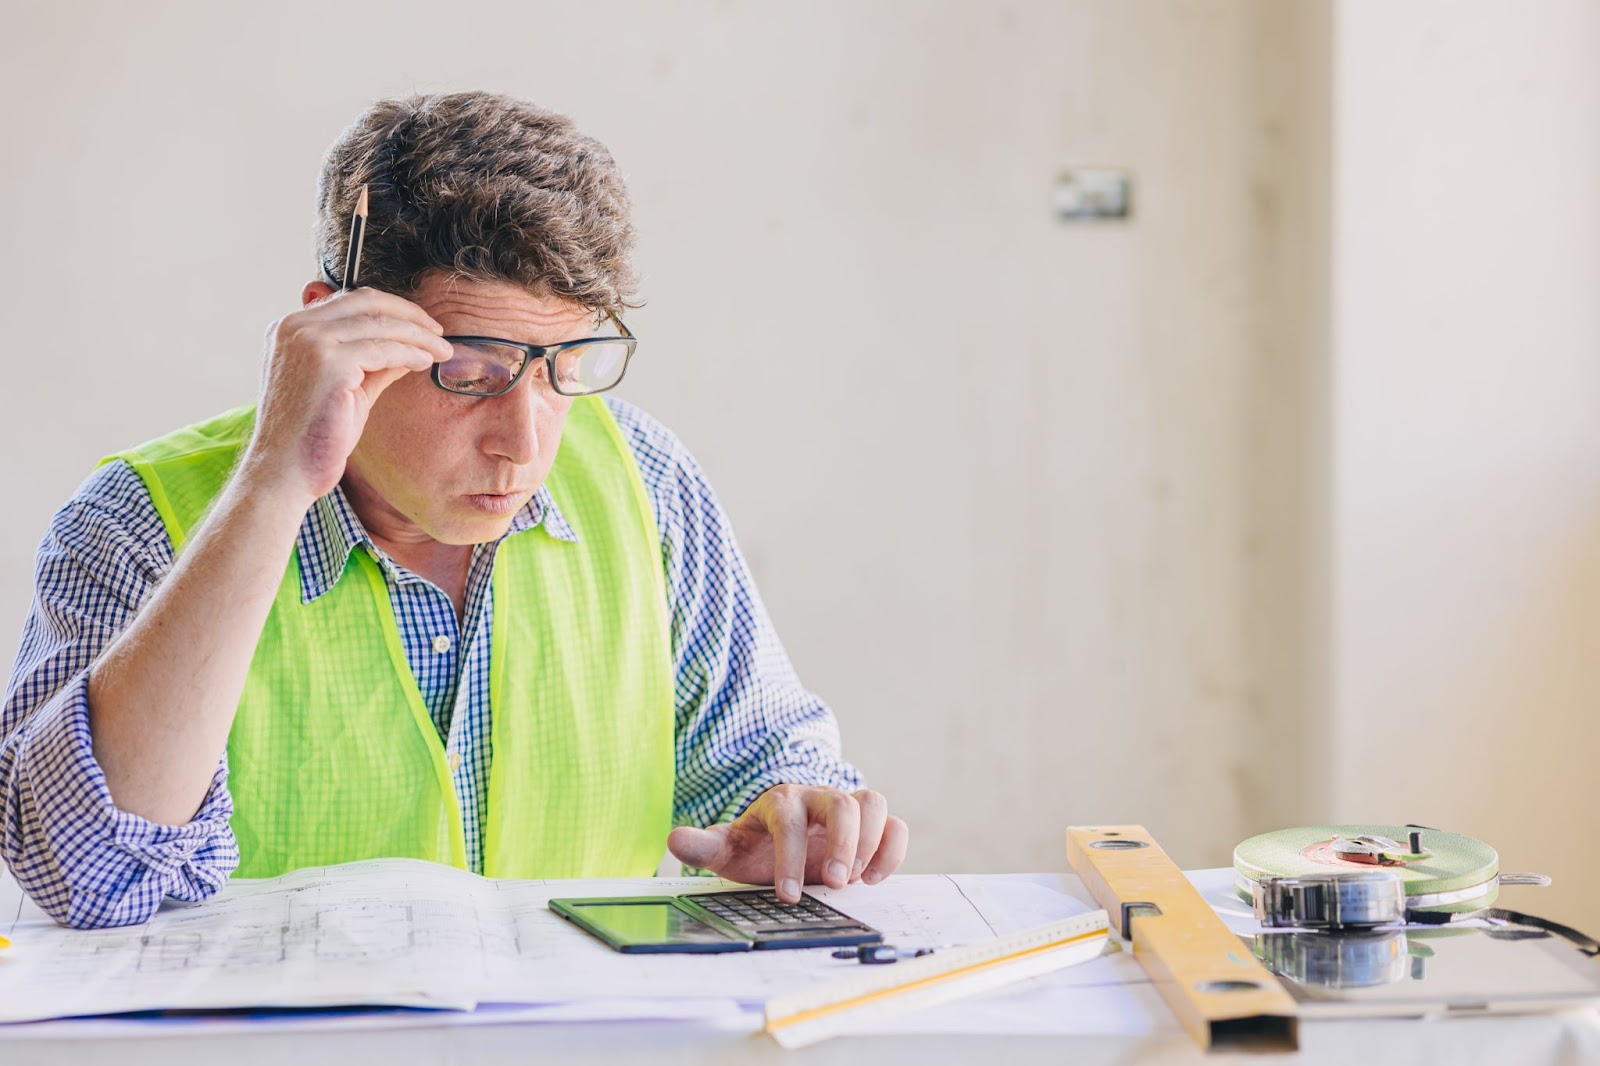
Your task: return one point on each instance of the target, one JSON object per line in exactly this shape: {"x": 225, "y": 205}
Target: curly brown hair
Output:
{"x": 479, "y": 186}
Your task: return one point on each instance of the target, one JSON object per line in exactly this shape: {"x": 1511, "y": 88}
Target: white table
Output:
{"x": 1459, "y": 1042}
{"x": 1572, "y": 1037}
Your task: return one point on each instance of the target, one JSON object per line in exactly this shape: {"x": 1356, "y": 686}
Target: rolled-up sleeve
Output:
{"x": 744, "y": 720}
{"x": 83, "y": 860}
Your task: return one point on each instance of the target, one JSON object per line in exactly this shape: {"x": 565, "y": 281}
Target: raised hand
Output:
{"x": 325, "y": 365}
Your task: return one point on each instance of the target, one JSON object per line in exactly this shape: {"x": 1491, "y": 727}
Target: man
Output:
{"x": 381, "y": 614}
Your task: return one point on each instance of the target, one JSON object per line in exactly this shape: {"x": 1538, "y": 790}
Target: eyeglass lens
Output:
{"x": 483, "y": 368}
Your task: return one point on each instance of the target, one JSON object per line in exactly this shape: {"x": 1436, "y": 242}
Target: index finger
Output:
{"x": 783, "y": 812}
{"x": 378, "y": 302}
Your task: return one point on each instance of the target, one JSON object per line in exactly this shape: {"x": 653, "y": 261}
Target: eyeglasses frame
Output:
{"x": 549, "y": 353}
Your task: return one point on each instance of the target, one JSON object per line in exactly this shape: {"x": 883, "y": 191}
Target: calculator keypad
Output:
{"x": 763, "y": 912}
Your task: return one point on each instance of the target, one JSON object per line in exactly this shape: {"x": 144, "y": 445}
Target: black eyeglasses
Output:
{"x": 489, "y": 366}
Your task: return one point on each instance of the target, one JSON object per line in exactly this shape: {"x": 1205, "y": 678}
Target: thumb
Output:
{"x": 697, "y": 847}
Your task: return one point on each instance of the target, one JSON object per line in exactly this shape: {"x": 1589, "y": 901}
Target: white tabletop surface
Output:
{"x": 449, "y": 1037}
{"x": 1525, "y": 1041}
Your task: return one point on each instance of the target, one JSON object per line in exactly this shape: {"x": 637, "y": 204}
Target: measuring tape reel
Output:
{"x": 1361, "y": 876}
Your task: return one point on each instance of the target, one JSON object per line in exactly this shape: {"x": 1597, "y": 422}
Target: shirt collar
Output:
{"x": 331, "y": 531}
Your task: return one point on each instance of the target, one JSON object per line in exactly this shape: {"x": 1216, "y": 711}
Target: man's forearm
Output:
{"x": 83, "y": 861}
{"x": 162, "y": 698}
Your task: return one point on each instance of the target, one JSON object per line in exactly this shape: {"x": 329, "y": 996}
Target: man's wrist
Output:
{"x": 265, "y": 487}
{"x": 266, "y": 510}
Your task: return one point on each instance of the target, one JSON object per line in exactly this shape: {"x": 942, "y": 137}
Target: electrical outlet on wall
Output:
{"x": 1093, "y": 193}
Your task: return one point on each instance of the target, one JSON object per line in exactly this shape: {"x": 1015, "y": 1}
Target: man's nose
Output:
{"x": 512, "y": 419}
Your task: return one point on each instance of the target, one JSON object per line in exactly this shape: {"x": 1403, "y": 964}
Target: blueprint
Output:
{"x": 400, "y": 932}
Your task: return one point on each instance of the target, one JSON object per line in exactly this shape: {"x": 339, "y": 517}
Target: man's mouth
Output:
{"x": 496, "y": 503}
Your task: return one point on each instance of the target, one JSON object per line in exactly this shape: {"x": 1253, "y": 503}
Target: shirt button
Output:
{"x": 455, "y": 756}
{"x": 441, "y": 644}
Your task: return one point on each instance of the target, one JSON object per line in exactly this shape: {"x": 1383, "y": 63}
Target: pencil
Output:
{"x": 358, "y": 230}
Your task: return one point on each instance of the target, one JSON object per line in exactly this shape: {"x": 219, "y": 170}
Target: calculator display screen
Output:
{"x": 742, "y": 920}
{"x": 648, "y": 922}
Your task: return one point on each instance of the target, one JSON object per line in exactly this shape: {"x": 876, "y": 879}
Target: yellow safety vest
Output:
{"x": 333, "y": 756}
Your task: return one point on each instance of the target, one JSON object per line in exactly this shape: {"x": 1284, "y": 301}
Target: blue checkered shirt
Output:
{"x": 743, "y": 721}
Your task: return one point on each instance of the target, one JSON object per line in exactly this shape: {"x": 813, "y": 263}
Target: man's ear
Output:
{"x": 315, "y": 292}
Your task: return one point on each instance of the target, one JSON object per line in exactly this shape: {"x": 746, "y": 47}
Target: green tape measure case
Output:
{"x": 1440, "y": 871}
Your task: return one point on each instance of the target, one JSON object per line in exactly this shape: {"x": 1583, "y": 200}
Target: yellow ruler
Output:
{"x": 1223, "y": 997}
{"x": 873, "y": 992}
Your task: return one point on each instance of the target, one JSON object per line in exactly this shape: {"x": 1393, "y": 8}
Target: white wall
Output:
{"x": 1279, "y": 503}
{"x": 1024, "y": 498}
{"x": 1467, "y": 442}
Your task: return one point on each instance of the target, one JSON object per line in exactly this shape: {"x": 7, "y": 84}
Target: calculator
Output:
{"x": 705, "y": 922}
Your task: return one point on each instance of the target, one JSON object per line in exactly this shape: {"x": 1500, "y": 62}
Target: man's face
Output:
{"x": 456, "y": 469}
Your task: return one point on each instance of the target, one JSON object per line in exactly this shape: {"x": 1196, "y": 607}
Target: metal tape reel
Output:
{"x": 1451, "y": 872}
{"x": 1344, "y": 900}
